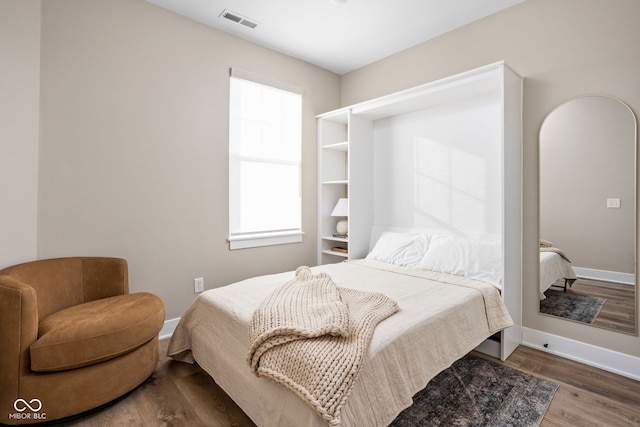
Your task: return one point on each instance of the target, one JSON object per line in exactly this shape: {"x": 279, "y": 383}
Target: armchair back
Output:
{"x": 60, "y": 283}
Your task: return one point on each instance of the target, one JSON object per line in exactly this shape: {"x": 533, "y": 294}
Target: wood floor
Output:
{"x": 619, "y": 312}
{"x": 180, "y": 394}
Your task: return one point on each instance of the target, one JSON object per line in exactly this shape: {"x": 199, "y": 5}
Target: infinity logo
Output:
{"x": 26, "y": 405}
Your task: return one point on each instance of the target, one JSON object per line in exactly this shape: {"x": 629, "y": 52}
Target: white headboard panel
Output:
{"x": 439, "y": 169}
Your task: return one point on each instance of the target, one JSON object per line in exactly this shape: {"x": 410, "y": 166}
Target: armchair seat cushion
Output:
{"x": 96, "y": 331}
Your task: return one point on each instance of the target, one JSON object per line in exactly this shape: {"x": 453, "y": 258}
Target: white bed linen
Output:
{"x": 437, "y": 324}
{"x": 552, "y": 268}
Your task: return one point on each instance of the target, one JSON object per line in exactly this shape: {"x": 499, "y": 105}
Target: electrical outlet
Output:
{"x": 613, "y": 203}
{"x": 198, "y": 285}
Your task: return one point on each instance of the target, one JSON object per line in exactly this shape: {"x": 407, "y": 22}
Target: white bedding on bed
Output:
{"x": 552, "y": 268}
{"x": 437, "y": 323}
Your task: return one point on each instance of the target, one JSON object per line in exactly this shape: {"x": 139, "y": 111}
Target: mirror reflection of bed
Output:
{"x": 596, "y": 302}
{"x": 587, "y": 161}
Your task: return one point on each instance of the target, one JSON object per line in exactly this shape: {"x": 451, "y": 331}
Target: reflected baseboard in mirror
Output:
{"x": 616, "y": 312}
{"x": 587, "y": 208}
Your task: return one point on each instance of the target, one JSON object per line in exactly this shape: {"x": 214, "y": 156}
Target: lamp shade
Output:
{"x": 342, "y": 208}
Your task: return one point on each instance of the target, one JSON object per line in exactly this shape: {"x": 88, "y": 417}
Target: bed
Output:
{"x": 440, "y": 318}
{"x": 554, "y": 266}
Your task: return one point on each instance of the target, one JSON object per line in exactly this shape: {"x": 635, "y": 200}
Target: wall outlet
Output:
{"x": 198, "y": 285}
{"x": 613, "y": 203}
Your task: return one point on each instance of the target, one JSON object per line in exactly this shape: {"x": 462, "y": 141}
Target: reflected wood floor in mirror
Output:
{"x": 180, "y": 394}
{"x": 619, "y": 312}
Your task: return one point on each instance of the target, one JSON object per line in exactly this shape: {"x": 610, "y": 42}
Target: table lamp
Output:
{"x": 342, "y": 209}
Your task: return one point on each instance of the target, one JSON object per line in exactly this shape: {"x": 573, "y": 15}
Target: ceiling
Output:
{"x": 339, "y": 35}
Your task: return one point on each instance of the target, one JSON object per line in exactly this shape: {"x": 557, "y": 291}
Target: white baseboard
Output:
{"x": 168, "y": 328}
{"x": 608, "y": 360}
{"x": 605, "y": 276}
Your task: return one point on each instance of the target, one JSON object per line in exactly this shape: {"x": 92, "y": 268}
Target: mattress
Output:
{"x": 441, "y": 317}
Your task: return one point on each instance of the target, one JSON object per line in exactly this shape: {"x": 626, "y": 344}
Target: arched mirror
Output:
{"x": 587, "y": 161}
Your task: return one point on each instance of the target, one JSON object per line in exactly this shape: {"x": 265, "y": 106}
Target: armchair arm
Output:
{"x": 104, "y": 277}
{"x": 18, "y": 330}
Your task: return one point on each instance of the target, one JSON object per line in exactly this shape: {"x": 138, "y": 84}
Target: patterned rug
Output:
{"x": 570, "y": 305}
{"x": 478, "y": 392}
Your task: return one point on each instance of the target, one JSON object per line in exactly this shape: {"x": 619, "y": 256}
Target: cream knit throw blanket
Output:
{"x": 312, "y": 336}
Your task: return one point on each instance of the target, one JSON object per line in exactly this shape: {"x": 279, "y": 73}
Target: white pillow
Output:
{"x": 465, "y": 257}
{"x": 405, "y": 249}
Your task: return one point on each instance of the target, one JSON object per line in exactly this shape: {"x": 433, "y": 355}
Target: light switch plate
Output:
{"x": 198, "y": 284}
{"x": 613, "y": 203}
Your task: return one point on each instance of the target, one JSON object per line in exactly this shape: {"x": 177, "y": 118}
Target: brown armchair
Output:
{"x": 72, "y": 338}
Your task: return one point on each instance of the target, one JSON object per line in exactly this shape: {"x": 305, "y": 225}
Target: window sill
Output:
{"x": 264, "y": 239}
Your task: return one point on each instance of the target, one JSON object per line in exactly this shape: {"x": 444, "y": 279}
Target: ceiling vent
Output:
{"x": 238, "y": 19}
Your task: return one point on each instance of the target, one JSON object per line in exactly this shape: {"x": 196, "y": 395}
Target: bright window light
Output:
{"x": 265, "y": 204}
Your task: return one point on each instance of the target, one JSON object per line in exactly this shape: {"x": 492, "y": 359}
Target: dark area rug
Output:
{"x": 478, "y": 392}
{"x": 571, "y": 305}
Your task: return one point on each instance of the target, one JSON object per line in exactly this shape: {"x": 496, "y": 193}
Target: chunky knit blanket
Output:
{"x": 311, "y": 336}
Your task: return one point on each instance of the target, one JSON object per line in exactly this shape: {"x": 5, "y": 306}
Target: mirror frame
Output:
{"x": 636, "y": 214}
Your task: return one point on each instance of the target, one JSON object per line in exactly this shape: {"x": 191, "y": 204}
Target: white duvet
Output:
{"x": 441, "y": 318}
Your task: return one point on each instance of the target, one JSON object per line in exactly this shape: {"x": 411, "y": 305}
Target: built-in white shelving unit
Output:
{"x": 345, "y": 169}
{"x": 387, "y": 156}
{"x": 333, "y": 155}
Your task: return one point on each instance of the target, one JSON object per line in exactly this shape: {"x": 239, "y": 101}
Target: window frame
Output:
{"x": 264, "y": 237}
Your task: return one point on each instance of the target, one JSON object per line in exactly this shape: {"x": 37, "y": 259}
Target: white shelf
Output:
{"x": 338, "y": 182}
{"x": 336, "y": 239}
{"x": 340, "y": 254}
{"x": 339, "y": 146}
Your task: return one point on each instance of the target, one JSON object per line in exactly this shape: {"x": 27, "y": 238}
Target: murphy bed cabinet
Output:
{"x": 442, "y": 156}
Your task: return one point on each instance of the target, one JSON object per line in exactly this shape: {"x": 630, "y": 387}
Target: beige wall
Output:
{"x": 562, "y": 49}
{"x": 19, "y": 104}
{"x": 134, "y": 129}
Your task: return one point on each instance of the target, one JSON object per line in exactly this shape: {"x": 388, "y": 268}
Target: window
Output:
{"x": 265, "y": 142}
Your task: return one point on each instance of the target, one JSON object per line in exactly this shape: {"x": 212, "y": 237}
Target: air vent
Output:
{"x": 238, "y": 19}
{"x": 231, "y": 17}
{"x": 248, "y": 23}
